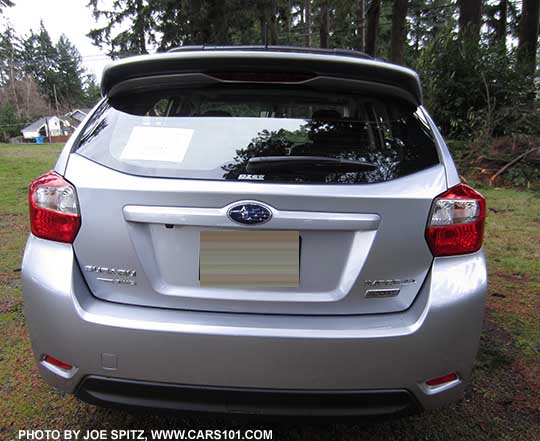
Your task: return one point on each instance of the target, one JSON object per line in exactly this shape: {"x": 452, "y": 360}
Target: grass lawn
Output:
{"x": 502, "y": 403}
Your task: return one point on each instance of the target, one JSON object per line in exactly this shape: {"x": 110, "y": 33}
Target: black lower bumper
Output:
{"x": 112, "y": 392}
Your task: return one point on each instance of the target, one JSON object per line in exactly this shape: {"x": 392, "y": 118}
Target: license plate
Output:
{"x": 255, "y": 259}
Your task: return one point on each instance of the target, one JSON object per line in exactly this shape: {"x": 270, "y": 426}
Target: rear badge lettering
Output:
{"x": 383, "y": 288}
{"x": 246, "y": 177}
{"x": 111, "y": 271}
{"x": 389, "y": 282}
{"x": 117, "y": 281}
{"x": 381, "y": 293}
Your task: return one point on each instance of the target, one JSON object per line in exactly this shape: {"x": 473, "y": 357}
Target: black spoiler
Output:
{"x": 334, "y": 63}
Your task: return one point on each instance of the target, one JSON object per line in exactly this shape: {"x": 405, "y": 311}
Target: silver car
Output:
{"x": 276, "y": 231}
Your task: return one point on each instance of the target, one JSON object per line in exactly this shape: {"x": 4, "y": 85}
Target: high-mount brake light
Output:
{"x": 263, "y": 77}
{"x": 54, "y": 209}
{"x": 456, "y": 224}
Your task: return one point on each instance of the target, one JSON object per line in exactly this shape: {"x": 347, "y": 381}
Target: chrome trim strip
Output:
{"x": 217, "y": 217}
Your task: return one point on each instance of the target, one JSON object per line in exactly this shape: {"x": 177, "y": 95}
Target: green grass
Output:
{"x": 502, "y": 403}
{"x": 513, "y": 250}
{"x": 18, "y": 166}
{"x": 514, "y": 223}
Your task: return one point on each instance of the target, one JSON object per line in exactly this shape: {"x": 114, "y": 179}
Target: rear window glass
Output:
{"x": 266, "y": 134}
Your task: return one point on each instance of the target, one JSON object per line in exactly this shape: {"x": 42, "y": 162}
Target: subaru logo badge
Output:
{"x": 249, "y": 213}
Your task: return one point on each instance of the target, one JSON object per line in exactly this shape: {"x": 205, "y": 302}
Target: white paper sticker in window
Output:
{"x": 167, "y": 144}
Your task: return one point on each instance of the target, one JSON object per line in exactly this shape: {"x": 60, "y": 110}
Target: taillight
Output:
{"x": 456, "y": 224}
{"x": 54, "y": 210}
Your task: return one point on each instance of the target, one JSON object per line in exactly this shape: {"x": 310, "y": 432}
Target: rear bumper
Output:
{"x": 354, "y": 355}
{"x": 109, "y": 392}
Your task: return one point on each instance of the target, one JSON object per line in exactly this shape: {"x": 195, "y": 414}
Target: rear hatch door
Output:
{"x": 156, "y": 172}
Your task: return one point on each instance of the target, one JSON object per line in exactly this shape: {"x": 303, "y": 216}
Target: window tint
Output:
{"x": 268, "y": 134}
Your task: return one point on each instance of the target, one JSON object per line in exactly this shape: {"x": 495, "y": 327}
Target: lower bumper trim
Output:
{"x": 113, "y": 392}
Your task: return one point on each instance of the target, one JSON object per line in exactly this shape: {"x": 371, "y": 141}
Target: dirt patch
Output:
{"x": 14, "y": 222}
{"x": 11, "y": 305}
{"x": 509, "y": 389}
{"x": 511, "y": 293}
{"x": 516, "y": 277}
{"x": 497, "y": 349}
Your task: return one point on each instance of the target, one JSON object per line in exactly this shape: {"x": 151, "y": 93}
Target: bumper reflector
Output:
{"x": 442, "y": 380}
{"x": 58, "y": 363}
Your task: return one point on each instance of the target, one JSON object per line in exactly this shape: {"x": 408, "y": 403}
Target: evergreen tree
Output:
{"x": 399, "y": 32}
{"x": 373, "y": 20}
{"x": 69, "y": 87}
{"x": 138, "y": 14}
{"x": 39, "y": 57}
{"x": 6, "y": 3}
{"x": 56, "y": 69}
{"x": 10, "y": 48}
{"x": 470, "y": 19}
{"x": 9, "y": 122}
{"x": 427, "y": 20}
{"x": 91, "y": 91}
{"x": 528, "y": 36}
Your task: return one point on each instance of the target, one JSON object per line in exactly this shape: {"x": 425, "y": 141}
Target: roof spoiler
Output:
{"x": 205, "y": 60}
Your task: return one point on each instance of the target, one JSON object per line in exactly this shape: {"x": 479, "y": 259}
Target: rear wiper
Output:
{"x": 318, "y": 162}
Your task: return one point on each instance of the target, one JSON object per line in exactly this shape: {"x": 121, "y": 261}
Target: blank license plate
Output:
{"x": 256, "y": 259}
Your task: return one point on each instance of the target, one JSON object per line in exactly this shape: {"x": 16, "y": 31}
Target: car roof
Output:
{"x": 207, "y": 59}
{"x": 289, "y": 49}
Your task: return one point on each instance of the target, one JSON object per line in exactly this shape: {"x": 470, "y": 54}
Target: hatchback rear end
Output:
{"x": 256, "y": 231}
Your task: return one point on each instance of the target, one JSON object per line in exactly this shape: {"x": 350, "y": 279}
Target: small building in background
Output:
{"x": 78, "y": 114}
{"x": 45, "y": 126}
{"x": 54, "y": 128}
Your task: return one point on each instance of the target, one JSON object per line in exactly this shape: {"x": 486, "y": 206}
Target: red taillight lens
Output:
{"x": 442, "y": 380}
{"x": 57, "y": 363}
{"x": 54, "y": 210}
{"x": 456, "y": 225}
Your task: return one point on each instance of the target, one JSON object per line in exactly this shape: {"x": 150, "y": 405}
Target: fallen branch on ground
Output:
{"x": 513, "y": 162}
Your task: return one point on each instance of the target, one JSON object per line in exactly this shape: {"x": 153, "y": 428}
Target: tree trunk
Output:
{"x": 470, "y": 18}
{"x": 219, "y": 14}
{"x": 528, "y": 35}
{"x": 307, "y": 21}
{"x": 373, "y": 15}
{"x": 287, "y": 17}
{"x": 417, "y": 33}
{"x": 264, "y": 30}
{"x": 138, "y": 26}
{"x": 199, "y": 24}
{"x": 273, "y": 23}
{"x": 360, "y": 25}
{"x": 323, "y": 29}
{"x": 502, "y": 23}
{"x": 12, "y": 81}
{"x": 268, "y": 22}
{"x": 399, "y": 17}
